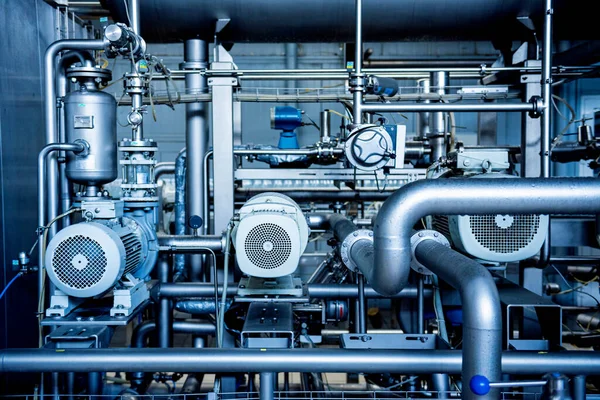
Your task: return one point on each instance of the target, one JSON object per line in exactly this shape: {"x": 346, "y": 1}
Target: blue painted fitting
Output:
{"x": 287, "y": 119}
{"x": 480, "y": 385}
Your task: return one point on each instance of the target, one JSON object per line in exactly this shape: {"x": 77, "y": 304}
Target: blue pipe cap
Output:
{"x": 480, "y": 385}
{"x": 285, "y": 118}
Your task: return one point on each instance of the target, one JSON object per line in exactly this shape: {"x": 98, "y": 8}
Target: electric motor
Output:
{"x": 494, "y": 238}
{"x": 91, "y": 119}
{"x": 87, "y": 259}
{"x": 270, "y": 236}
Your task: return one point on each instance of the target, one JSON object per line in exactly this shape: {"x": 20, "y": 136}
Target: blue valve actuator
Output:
{"x": 480, "y": 385}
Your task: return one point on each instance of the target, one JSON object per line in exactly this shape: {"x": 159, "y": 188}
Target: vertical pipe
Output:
{"x": 180, "y": 190}
{"x": 482, "y": 314}
{"x": 579, "y": 387}
{"x": 94, "y": 384}
{"x": 420, "y": 306}
{"x": 437, "y": 139}
{"x": 70, "y": 385}
{"x": 361, "y": 311}
{"x": 134, "y": 15}
{"x": 358, "y": 90}
{"x": 266, "y": 385}
{"x": 165, "y": 313}
{"x": 55, "y": 387}
{"x": 325, "y": 126}
{"x": 546, "y": 122}
{"x": 196, "y": 138}
{"x": 424, "y": 129}
{"x": 546, "y": 89}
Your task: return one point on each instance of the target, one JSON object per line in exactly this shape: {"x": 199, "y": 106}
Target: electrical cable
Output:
{"x": 9, "y": 283}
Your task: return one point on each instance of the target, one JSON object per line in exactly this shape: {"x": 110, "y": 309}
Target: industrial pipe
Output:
{"x": 285, "y": 360}
{"x": 196, "y": 140}
{"x": 163, "y": 168}
{"x": 403, "y": 209}
{"x": 314, "y": 290}
{"x": 482, "y": 315}
{"x": 50, "y": 116}
{"x": 42, "y": 161}
{"x": 190, "y": 244}
{"x": 450, "y": 107}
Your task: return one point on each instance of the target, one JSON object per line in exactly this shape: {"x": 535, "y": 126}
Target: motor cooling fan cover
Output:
{"x": 85, "y": 259}
{"x": 271, "y": 236}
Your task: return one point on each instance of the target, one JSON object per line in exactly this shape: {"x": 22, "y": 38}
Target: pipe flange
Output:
{"x": 419, "y": 237}
{"x": 347, "y": 244}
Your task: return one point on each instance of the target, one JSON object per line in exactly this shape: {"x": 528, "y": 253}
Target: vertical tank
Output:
{"x": 91, "y": 119}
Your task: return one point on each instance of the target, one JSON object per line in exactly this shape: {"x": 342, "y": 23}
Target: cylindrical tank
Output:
{"x": 320, "y": 21}
{"x": 91, "y": 119}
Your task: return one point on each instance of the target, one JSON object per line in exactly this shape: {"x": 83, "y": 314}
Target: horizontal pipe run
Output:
{"x": 449, "y": 107}
{"x": 316, "y": 291}
{"x": 403, "y": 209}
{"x": 297, "y": 360}
{"x": 177, "y": 244}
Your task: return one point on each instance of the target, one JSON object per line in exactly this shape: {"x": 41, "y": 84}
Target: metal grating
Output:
{"x": 268, "y": 246}
{"x": 504, "y": 234}
{"x": 79, "y": 262}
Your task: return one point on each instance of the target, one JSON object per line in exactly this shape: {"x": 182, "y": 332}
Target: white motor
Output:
{"x": 495, "y": 238}
{"x": 270, "y": 236}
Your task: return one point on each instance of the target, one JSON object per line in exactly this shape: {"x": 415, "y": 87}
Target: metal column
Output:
{"x": 222, "y": 122}
{"x": 267, "y": 384}
{"x": 196, "y": 139}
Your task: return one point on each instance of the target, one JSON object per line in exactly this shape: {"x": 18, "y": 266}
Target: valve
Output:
{"x": 481, "y": 385}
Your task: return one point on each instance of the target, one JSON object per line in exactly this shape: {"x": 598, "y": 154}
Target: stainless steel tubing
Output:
{"x": 336, "y": 291}
{"x": 165, "y": 307}
{"x": 482, "y": 314}
{"x": 267, "y": 384}
{"x": 295, "y": 360}
{"x": 403, "y": 209}
{"x": 134, "y": 15}
{"x": 362, "y": 305}
{"x": 142, "y": 331}
{"x": 196, "y": 137}
{"x": 50, "y": 116}
{"x": 42, "y": 161}
{"x": 357, "y": 94}
{"x": 447, "y": 107}
{"x": 316, "y": 291}
{"x": 163, "y": 168}
{"x": 546, "y": 121}
{"x": 190, "y": 244}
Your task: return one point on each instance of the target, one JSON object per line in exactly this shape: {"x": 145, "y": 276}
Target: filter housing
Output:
{"x": 87, "y": 259}
{"x": 495, "y": 238}
{"x": 270, "y": 236}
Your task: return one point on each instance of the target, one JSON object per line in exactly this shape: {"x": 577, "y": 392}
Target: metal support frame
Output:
{"x": 222, "y": 122}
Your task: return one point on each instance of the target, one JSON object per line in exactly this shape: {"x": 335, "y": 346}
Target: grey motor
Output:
{"x": 89, "y": 258}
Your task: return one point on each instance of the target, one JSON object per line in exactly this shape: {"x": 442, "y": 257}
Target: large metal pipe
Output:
{"x": 165, "y": 307}
{"x": 295, "y": 360}
{"x": 403, "y": 209}
{"x": 196, "y": 137}
{"x": 333, "y": 20}
{"x": 482, "y": 315}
